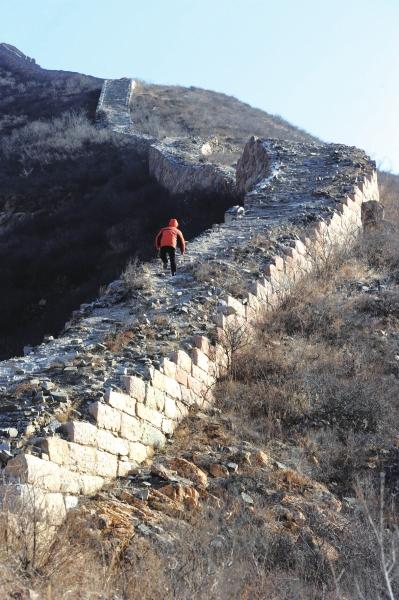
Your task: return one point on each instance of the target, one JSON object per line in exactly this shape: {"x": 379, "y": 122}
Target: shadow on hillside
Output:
{"x": 71, "y": 229}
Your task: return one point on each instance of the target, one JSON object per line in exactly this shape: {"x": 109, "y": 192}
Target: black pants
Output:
{"x": 171, "y": 252}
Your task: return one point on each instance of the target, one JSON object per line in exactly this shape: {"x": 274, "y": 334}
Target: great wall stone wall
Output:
{"x": 81, "y": 410}
{"x": 177, "y": 164}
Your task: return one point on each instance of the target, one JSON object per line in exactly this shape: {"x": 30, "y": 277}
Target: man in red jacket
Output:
{"x": 166, "y": 241}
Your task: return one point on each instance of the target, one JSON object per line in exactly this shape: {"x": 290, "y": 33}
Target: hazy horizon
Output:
{"x": 328, "y": 69}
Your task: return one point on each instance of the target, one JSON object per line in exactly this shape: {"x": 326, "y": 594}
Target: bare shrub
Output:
{"x": 43, "y": 142}
{"x": 136, "y": 276}
{"x": 236, "y": 336}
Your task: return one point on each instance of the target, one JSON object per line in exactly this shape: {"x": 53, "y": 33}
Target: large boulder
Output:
{"x": 253, "y": 166}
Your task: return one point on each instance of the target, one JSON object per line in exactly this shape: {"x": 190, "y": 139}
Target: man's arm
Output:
{"x": 181, "y": 242}
{"x": 158, "y": 240}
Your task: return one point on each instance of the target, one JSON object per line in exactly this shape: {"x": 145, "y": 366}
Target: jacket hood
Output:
{"x": 173, "y": 223}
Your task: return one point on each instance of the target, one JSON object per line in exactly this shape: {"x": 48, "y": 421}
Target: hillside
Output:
{"x": 175, "y": 111}
{"x": 29, "y": 92}
{"x": 66, "y": 184}
{"x": 231, "y": 432}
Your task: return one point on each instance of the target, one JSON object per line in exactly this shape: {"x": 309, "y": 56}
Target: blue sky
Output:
{"x": 330, "y": 67}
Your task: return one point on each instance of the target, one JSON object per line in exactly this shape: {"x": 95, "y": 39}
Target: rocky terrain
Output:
{"x": 217, "y": 434}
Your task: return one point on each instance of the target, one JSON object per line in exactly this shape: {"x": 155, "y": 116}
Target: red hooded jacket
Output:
{"x": 171, "y": 236}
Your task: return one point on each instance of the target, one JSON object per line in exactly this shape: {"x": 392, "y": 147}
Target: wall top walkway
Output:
{"x": 305, "y": 183}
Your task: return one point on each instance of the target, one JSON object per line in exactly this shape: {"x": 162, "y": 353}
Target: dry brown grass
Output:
{"x": 137, "y": 277}
{"x": 115, "y": 342}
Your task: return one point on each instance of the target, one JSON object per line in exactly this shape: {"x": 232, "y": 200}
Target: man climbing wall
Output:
{"x": 166, "y": 242}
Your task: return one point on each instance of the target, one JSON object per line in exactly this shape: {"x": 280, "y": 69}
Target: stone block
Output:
{"x": 154, "y": 398}
{"x": 253, "y": 302}
{"x": 259, "y": 291}
{"x": 307, "y": 242}
{"x": 236, "y": 305}
{"x": 351, "y": 204}
{"x": 81, "y": 432}
{"x": 201, "y": 376}
{"x": 336, "y": 221}
{"x": 148, "y": 414}
{"x": 268, "y": 285}
{"x": 91, "y": 484}
{"x": 70, "y": 482}
{"x": 279, "y": 262}
{"x": 188, "y": 396}
{"x": 320, "y": 229}
{"x": 56, "y": 449}
{"x": 125, "y": 468}
{"x": 32, "y": 503}
{"x": 105, "y": 416}
{"x": 250, "y": 314}
{"x": 304, "y": 264}
{"x": 26, "y": 468}
{"x": 181, "y": 376}
{"x": 356, "y": 195}
{"x": 134, "y": 386}
{"x": 113, "y": 444}
{"x": 157, "y": 380}
{"x": 172, "y": 388}
{"x": 200, "y": 360}
{"x": 292, "y": 252}
{"x": 221, "y": 357}
{"x": 220, "y": 321}
{"x": 169, "y": 367}
{"x": 150, "y": 396}
{"x": 170, "y": 408}
{"x": 168, "y": 426}
{"x": 182, "y": 410}
{"x": 130, "y": 427}
{"x": 71, "y": 502}
{"x": 195, "y": 385}
{"x": 272, "y": 271}
{"x": 344, "y": 210}
{"x": 289, "y": 269}
{"x": 151, "y": 436}
{"x": 137, "y": 452}
{"x": 203, "y": 344}
{"x": 122, "y": 402}
{"x": 182, "y": 359}
{"x": 106, "y": 464}
{"x": 82, "y": 458}
{"x": 300, "y": 247}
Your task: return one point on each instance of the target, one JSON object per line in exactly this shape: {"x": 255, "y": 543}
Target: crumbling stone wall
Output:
{"x": 306, "y": 203}
{"x": 177, "y": 164}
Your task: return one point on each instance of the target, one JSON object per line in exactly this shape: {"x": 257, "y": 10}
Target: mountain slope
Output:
{"x": 28, "y": 92}
{"x": 177, "y": 111}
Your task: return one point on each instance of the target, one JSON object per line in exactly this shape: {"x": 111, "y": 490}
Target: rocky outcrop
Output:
{"x": 253, "y": 166}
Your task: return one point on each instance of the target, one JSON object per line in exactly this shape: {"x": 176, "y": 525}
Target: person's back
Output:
{"x": 167, "y": 241}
